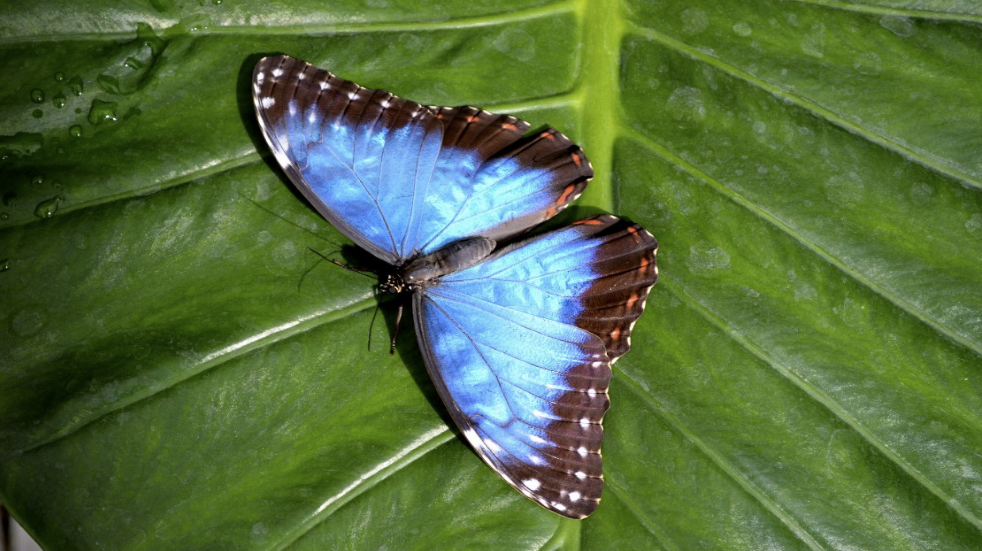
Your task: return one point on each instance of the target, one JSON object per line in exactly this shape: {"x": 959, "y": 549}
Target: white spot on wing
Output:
{"x": 267, "y": 102}
{"x": 277, "y": 72}
{"x": 558, "y": 506}
{"x": 492, "y": 445}
{"x": 532, "y": 484}
{"x": 592, "y": 393}
{"x": 324, "y": 84}
{"x": 584, "y": 422}
{"x": 582, "y": 451}
{"x": 580, "y": 475}
{"x": 537, "y": 439}
{"x": 574, "y": 496}
{"x": 260, "y": 78}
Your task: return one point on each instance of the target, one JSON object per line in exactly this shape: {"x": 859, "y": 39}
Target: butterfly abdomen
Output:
{"x": 454, "y": 257}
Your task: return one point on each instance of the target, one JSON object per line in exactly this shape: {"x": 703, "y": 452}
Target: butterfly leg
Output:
{"x": 395, "y": 334}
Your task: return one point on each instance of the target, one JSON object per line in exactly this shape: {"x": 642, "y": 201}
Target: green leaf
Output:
{"x": 179, "y": 371}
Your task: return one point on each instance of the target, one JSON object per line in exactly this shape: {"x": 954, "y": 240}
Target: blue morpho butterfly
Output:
{"x": 517, "y": 335}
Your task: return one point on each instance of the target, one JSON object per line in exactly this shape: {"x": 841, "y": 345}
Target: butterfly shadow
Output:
{"x": 247, "y": 110}
{"x": 402, "y": 331}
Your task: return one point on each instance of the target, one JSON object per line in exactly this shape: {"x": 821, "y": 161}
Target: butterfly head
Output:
{"x": 395, "y": 284}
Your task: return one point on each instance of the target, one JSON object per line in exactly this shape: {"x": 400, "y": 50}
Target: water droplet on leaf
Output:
{"x": 59, "y": 76}
{"x": 75, "y": 85}
{"x": 37, "y": 180}
{"x": 146, "y": 36}
{"x": 59, "y": 100}
{"x": 102, "y": 111}
{"x": 47, "y": 208}
{"x": 9, "y": 199}
{"x": 37, "y": 95}
{"x": 20, "y": 144}
{"x": 37, "y": 113}
{"x": 129, "y": 69}
{"x": 75, "y": 131}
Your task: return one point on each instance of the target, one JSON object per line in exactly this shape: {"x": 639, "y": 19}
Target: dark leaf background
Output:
{"x": 179, "y": 371}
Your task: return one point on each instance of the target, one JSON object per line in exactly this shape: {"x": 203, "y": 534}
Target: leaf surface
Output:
{"x": 179, "y": 371}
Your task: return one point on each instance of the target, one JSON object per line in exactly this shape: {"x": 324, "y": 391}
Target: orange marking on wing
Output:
{"x": 644, "y": 264}
{"x": 576, "y": 159}
{"x": 509, "y": 126}
{"x": 471, "y": 118}
{"x": 564, "y": 198}
{"x": 631, "y": 301}
{"x": 632, "y": 230}
{"x": 615, "y": 334}
{"x": 547, "y": 135}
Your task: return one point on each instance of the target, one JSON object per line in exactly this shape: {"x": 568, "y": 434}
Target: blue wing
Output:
{"x": 401, "y": 179}
{"x": 519, "y": 347}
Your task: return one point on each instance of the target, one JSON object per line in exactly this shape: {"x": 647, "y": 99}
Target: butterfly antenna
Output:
{"x": 368, "y": 273}
{"x": 372, "y": 325}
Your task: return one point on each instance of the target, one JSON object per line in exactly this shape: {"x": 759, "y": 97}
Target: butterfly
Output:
{"x": 518, "y": 333}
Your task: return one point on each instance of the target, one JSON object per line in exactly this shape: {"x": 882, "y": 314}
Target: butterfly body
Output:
{"x": 518, "y": 331}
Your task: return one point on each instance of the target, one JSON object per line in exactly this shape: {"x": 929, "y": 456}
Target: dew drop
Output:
{"x": 59, "y": 76}
{"x": 146, "y": 36}
{"x": 108, "y": 83}
{"x": 37, "y": 113}
{"x": 78, "y": 110}
{"x": 4, "y": 216}
{"x": 75, "y": 85}
{"x": 102, "y": 111}
{"x": 59, "y": 100}
{"x": 9, "y": 199}
{"x": 20, "y": 144}
{"x": 37, "y": 95}
{"x": 75, "y": 131}
{"x": 37, "y": 180}
{"x": 47, "y": 208}
{"x": 4, "y": 265}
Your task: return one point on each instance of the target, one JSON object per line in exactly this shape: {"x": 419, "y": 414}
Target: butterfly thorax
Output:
{"x": 425, "y": 269}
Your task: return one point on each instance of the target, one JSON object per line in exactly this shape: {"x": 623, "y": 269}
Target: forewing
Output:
{"x": 499, "y": 183}
{"x": 401, "y": 179}
{"x": 520, "y": 347}
{"x": 363, "y": 158}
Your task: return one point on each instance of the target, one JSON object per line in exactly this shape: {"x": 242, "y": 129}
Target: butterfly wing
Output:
{"x": 401, "y": 179}
{"x": 520, "y": 345}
